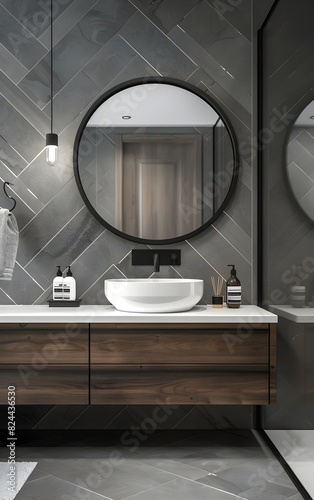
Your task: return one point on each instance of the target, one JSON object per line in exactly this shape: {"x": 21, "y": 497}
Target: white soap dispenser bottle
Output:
{"x": 57, "y": 286}
{"x": 69, "y": 286}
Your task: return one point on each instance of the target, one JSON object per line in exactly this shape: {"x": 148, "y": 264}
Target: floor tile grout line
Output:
{"x": 28, "y": 481}
{"x": 95, "y": 492}
{"x": 80, "y": 486}
{"x": 179, "y": 475}
{"x": 186, "y": 479}
{"x": 198, "y": 433}
{"x": 148, "y": 489}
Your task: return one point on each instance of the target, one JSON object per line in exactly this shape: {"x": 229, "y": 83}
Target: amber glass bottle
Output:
{"x": 233, "y": 289}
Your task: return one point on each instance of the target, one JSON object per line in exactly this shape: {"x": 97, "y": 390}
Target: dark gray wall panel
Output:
{"x": 288, "y": 80}
{"x": 288, "y": 83}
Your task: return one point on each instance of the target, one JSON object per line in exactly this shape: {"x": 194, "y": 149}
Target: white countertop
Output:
{"x": 108, "y": 314}
{"x": 296, "y": 314}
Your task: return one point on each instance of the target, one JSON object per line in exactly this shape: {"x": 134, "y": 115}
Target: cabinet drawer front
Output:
{"x": 52, "y": 385}
{"x": 178, "y": 387}
{"x": 42, "y": 344}
{"x": 182, "y": 346}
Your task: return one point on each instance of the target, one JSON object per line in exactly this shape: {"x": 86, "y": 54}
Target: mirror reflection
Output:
{"x": 300, "y": 160}
{"x": 155, "y": 162}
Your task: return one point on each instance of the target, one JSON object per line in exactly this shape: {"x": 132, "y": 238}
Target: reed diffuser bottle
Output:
{"x": 217, "y": 298}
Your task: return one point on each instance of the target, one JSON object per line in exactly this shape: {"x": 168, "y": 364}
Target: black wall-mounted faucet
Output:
{"x": 156, "y": 258}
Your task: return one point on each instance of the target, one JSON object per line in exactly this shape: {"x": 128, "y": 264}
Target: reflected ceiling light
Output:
{"x": 51, "y": 138}
{"x": 312, "y": 117}
{"x": 126, "y": 117}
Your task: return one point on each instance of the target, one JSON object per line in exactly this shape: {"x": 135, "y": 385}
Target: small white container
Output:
{"x": 57, "y": 286}
{"x": 69, "y": 286}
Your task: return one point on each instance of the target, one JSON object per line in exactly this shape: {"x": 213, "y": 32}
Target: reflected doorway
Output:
{"x": 158, "y": 184}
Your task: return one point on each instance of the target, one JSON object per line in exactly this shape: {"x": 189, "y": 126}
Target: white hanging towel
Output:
{"x": 9, "y": 239}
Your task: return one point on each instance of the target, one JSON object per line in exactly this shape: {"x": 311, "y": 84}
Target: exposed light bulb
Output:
{"x": 51, "y": 148}
{"x": 51, "y": 154}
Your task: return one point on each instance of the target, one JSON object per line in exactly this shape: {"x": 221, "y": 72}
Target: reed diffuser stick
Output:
{"x": 217, "y": 288}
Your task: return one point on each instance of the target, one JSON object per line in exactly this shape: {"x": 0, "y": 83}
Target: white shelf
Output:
{"x": 108, "y": 314}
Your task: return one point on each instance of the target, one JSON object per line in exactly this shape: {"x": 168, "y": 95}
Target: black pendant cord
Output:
{"x": 51, "y": 65}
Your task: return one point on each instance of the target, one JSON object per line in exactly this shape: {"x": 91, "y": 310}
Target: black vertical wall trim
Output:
{"x": 260, "y": 191}
{"x": 214, "y": 166}
{"x": 260, "y": 186}
{"x": 89, "y": 364}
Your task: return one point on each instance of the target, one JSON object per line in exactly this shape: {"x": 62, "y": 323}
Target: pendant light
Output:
{"x": 51, "y": 138}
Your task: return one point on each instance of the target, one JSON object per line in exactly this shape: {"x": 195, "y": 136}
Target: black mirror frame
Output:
{"x": 176, "y": 83}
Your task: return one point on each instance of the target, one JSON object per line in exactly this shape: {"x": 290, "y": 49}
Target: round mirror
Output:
{"x": 300, "y": 160}
{"x": 155, "y": 162}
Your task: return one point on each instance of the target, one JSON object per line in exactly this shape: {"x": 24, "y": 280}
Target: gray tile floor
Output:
{"x": 132, "y": 465}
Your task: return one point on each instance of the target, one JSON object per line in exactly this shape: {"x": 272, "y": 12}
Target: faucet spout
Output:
{"x": 156, "y": 263}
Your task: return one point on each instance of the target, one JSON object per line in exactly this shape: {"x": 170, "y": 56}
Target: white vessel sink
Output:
{"x": 154, "y": 295}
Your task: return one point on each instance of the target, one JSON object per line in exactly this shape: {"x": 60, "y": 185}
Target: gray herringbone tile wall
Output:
{"x": 98, "y": 44}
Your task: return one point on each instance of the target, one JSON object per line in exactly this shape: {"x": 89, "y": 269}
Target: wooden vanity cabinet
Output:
{"x": 138, "y": 363}
{"x": 183, "y": 364}
{"x": 47, "y": 363}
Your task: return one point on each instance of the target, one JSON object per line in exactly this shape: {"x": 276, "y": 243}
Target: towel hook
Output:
{"x": 6, "y": 183}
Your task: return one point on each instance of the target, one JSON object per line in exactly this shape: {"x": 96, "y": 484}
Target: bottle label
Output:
{"x": 233, "y": 294}
{"x": 66, "y": 292}
{"x": 58, "y": 291}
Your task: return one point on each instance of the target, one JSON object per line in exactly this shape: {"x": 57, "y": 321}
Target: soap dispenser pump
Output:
{"x": 69, "y": 286}
{"x": 57, "y": 285}
{"x": 233, "y": 289}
